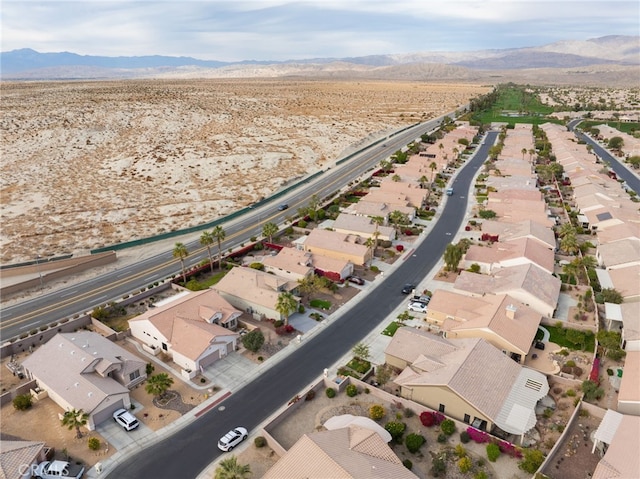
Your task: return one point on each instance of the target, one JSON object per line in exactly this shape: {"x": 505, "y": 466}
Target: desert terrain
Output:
{"x": 88, "y": 164}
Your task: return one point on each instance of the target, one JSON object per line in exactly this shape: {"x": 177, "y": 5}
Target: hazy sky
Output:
{"x": 233, "y": 30}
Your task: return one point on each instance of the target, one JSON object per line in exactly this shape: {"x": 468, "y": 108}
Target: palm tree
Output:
{"x": 219, "y": 234}
{"x": 571, "y": 270}
{"x": 566, "y": 229}
{"x": 398, "y": 218}
{"x": 286, "y": 304}
{"x": 524, "y": 152}
{"x": 423, "y": 181}
{"x": 230, "y": 468}
{"x": 569, "y": 243}
{"x": 158, "y": 384}
{"x": 268, "y": 230}
{"x": 370, "y": 243}
{"x": 377, "y": 220}
{"x": 396, "y": 178}
{"x": 180, "y": 251}
{"x": 207, "y": 239}
{"x": 75, "y": 419}
{"x": 434, "y": 167}
{"x": 531, "y": 153}
{"x": 312, "y": 208}
{"x": 582, "y": 264}
{"x": 308, "y": 285}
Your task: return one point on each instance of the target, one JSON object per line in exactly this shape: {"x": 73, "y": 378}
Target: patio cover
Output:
{"x": 518, "y": 412}
{"x": 346, "y": 420}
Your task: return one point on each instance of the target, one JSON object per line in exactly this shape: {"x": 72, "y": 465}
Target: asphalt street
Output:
{"x": 189, "y": 450}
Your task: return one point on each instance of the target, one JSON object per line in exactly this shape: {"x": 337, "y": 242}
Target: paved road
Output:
{"x": 28, "y": 315}
{"x": 631, "y": 179}
{"x": 187, "y": 452}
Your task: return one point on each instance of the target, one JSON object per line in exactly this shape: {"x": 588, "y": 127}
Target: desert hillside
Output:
{"x": 87, "y": 164}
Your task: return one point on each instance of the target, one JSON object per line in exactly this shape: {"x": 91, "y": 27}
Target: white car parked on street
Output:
{"x": 232, "y": 439}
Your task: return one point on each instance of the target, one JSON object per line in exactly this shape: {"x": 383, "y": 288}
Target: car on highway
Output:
{"x": 408, "y": 288}
{"x": 417, "y": 307}
{"x": 356, "y": 280}
{"x": 125, "y": 419}
{"x": 232, "y": 439}
{"x": 283, "y": 207}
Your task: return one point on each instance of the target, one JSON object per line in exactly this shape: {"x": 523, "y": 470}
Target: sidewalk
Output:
{"x": 235, "y": 371}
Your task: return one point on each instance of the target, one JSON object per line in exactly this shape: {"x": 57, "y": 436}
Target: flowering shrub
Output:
{"x": 285, "y": 329}
{"x": 478, "y": 436}
{"x": 510, "y": 449}
{"x": 429, "y": 419}
{"x": 399, "y": 248}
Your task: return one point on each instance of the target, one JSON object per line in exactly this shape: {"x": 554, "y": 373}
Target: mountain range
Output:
{"x": 610, "y": 58}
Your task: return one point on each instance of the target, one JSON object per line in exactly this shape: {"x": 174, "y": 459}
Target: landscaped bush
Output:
{"x": 493, "y": 452}
{"x": 359, "y": 365}
{"x": 465, "y": 464}
{"x": 302, "y": 224}
{"x": 448, "y": 427}
{"x": 533, "y": 459}
{"x": 407, "y": 463}
{"x": 253, "y": 340}
{"x": 93, "y": 443}
{"x": 285, "y": 329}
{"x": 22, "y": 402}
{"x": 464, "y": 437}
{"x": 330, "y": 392}
{"x": 442, "y": 438}
{"x": 351, "y": 390}
{"x": 377, "y": 412}
{"x": 396, "y": 429}
{"x": 310, "y": 395}
{"x": 429, "y": 419}
{"x": 260, "y": 441}
{"x": 438, "y": 466}
{"x": 478, "y": 436}
{"x": 414, "y": 442}
{"x": 509, "y": 449}
{"x": 408, "y": 412}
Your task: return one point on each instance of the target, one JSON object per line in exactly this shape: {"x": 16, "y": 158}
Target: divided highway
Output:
{"x": 189, "y": 450}
{"x": 64, "y": 303}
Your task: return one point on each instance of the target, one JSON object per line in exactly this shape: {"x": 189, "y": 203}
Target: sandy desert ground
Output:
{"x": 88, "y": 164}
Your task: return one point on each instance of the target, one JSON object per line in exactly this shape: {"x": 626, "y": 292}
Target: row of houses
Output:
{"x": 605, "y": 208}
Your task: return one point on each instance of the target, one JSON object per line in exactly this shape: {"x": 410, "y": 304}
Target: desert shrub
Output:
{"x": 464, "y": 437}
{"x": 493, "y": 452}
{"x": 408, "y": 464}
{"x": 570, "y": 363}
{"x": 429, "y": 419}
{"x": 438, "y": 466}
{"x": 448, "y": 427}
{"x": 442, "y": 438}
{"x": 465, "y": 464}
{"x": 260, "y": 441}
{"x": 571, "y": 393}
{"x": 396, "y": 429}
{"x": 253, "y": 340}
{"x": 277, "y": 323}
{"x": 310, "y": 395}
{"x": 93, "y": 443}
{"x": 330, "y": 392}
{"x": 414, "y": 442}
{"x": 351, "y": 390}
{"x": 408, "y": 412}
{"x": 478, "y": 436}
{"x": 302, "y": 224}
{"x": 22, "y": 402}
{"x": 376, "y": 412}
{"x": 149, "y": 368}
{"x": 533, "y": 459}
{"x": 258, "y": 266}
{"x": 480, "y": 475}
{"x": 460, "y": 451}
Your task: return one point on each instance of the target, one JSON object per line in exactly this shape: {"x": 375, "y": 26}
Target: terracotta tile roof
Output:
{"x": 254, "y": 286}
{"x": 619, "y": 232}
{"x": 16, "y": 455}
{"x": 350, "y": 453}
{"x": 619, "y": 253}
{"x": 522, "y": 229}
{"x": 335, "y": 241}
{"x": 622, "y": 461}
{"x": 510, "y": 253}
{"x": 291, "y": 260}
{"x": 629, "y": 389}
{"x": 361, "y": 226}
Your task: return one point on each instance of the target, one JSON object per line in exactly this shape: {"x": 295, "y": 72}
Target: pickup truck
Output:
{"x": 59, "y": 470}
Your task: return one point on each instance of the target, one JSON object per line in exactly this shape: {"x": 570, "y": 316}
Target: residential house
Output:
{"x": 18, "y": 457}
{"x": 333, "y": 268}
{"x": 253, "y": 291}
{"x": 363, "y": 227}
{"x": 629, "y": 393}
{"x": 619, "y": 254}
{"x": 528, "y": 283}
{"x": 195, "y": 329}
{"x": 366, "y": 207}
{"x": 522, "y": 229}
{"x": 337, "y": 245}
{"x": 504, "y": 254}
{"x": 624, "y": 318}
{"x": 500, "y": 319}
{"x": 515, "y": 211}
{"x": 467, "y": 379}
{"x": 84, "y": 370}
{"x": 625, "y": 280}
{"x": 290, "y": 263}
{"x": 352, "y": 452}
{"x": 618, "y": 436}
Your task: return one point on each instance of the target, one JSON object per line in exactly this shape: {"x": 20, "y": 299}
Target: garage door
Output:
{"x": 107, "y": 413}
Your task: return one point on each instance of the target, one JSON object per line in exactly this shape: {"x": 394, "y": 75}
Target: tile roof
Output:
{"x": 502, "y": 254}
{"x": 622, "y": 252}
{"x": 629, "y": 385}
{"x": 15, "y": 455}
{"x": 348, "y": 453}
{"x": 477, "y": 372}
{"x": 254, "y": 286}
{"x": 67, "y": 364}
{"x": 621, "y": 461}
{"x": 361, "y": 226}
{"x": 522, "y": 229}
{"x": 335, "y": 241}
{"x": 291, "y": 260}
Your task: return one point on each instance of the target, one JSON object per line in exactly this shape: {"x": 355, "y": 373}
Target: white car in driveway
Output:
{"x": 232, "y": 439}
{"x": 417, "y": 307}
{"x": 125, "y": 419}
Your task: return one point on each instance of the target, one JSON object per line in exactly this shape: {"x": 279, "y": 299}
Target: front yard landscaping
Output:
{"x": 391, "y": 329}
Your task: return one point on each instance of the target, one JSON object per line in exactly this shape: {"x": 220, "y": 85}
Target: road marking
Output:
{"x": 69, "y": 293}
{"x": 24, "y": 327}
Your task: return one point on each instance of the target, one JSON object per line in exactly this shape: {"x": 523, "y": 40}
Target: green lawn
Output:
{"x": 320, "y": 303}
{"x": 558, "y": 335}
{"x": 391, "y": 329}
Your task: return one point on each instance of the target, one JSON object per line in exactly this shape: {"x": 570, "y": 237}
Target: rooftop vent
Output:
{"x": 511, "y": 311}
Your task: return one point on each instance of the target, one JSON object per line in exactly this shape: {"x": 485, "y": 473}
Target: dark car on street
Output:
{"x": 408, "y": 288}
